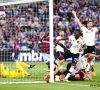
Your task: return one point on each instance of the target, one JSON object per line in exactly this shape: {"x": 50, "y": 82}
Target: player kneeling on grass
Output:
{"x": 20, "y": 72}
{"x": 81, "y": 71}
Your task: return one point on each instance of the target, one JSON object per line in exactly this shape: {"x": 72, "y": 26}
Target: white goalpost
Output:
{"x": 51, "y": 41}
{"x": 23, "y": 25}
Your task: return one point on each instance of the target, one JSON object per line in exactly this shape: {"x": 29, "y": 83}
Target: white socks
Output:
{"x": 70, "y": 70}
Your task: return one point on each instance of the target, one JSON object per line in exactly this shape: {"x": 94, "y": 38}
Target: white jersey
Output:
{"x": 89, "y": 35}
{"x": 76, "y": 44}
{"x": 58, "y": 47}
{"x": 83, "y": 64}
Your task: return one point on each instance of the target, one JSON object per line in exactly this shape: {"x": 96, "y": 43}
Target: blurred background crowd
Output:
{"x": 25, "y": 22}
{"x": 63, "y": 18}
{"x": 28, "y": 22}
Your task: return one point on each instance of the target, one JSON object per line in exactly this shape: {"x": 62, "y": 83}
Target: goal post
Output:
{"x": 51, "y": 41}
{"x": 36, "y": 16}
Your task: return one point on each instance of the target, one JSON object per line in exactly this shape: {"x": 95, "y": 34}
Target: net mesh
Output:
{"x": 20, "y": 37}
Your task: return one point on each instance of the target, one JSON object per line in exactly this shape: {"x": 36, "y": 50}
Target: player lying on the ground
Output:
{"x": 79, "y": 75}
{"x": 18, "y": 73}
{"x": 82, "y": 69}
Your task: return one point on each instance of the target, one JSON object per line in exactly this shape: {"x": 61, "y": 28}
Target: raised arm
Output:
{"x": 76, "y": 18}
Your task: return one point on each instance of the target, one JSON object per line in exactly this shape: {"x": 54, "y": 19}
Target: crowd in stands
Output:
{"x": 28, "y": 22}
{"x": 63, "y": 18}
{"x": 25, "y": 22}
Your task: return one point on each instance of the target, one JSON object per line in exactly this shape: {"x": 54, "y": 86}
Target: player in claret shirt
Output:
{"x": 45, "y": 49}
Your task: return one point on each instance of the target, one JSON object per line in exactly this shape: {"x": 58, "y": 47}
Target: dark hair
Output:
{"x": 78, "y": 30}
{"x": 61, "y": 30}
{"x": 86, "y": 22}
{"x": 89, "y": 21}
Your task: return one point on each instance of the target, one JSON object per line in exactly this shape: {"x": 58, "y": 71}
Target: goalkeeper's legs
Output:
{"x": 25, "y": 64}
{"x": 19, "y": 68}
{"x": 16, "y": 53}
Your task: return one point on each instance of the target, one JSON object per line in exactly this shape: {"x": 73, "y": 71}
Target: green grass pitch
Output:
{"x": 39, "y": 73}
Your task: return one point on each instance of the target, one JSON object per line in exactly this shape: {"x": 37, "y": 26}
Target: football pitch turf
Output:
{"x": 39, "y": 73}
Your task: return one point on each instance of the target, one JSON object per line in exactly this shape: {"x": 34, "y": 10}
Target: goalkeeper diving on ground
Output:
{"x": 20, "y": 72}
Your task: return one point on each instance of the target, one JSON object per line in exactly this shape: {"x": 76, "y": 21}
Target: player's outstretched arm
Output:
{"x": 64, "y": 38}
{"x": 57, "y": 42}
{"x": 77, "y": 20}
{"x": 93, "y": 55}
{"x": 98, "y": 56}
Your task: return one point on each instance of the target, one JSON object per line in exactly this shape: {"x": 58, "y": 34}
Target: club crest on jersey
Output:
{"x": 78, "y": 42}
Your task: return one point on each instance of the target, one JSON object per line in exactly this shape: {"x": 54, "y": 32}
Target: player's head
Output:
{"x": 90, "y": 24}
{"x": 16, "y": 40}
{"x": 61, "y": 33}
{"x": 77, "y": 33}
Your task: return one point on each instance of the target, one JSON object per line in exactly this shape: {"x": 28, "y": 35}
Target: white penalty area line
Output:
{"x": 38, "y": 82}
{"x": 69, "y": 83}
{"x": 44, "y": 82}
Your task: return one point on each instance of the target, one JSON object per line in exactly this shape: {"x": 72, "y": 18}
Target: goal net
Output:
{"x": 23, "y": 24}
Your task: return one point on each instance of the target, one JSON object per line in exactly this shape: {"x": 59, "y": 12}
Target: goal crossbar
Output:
{"x": 20, "y": 2}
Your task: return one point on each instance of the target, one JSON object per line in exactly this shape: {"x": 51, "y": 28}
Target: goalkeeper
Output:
{"x": 20, "y": 72}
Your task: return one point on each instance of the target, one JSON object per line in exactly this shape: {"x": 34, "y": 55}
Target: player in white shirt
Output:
{"x": 78, "y": 44}
{"x": 85, "y": 63}
{"x": 86, "y": 59}
{"x": 89, "y": 36}
{"x": 59, "y": 49}
{"x": 81, "y": 71}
